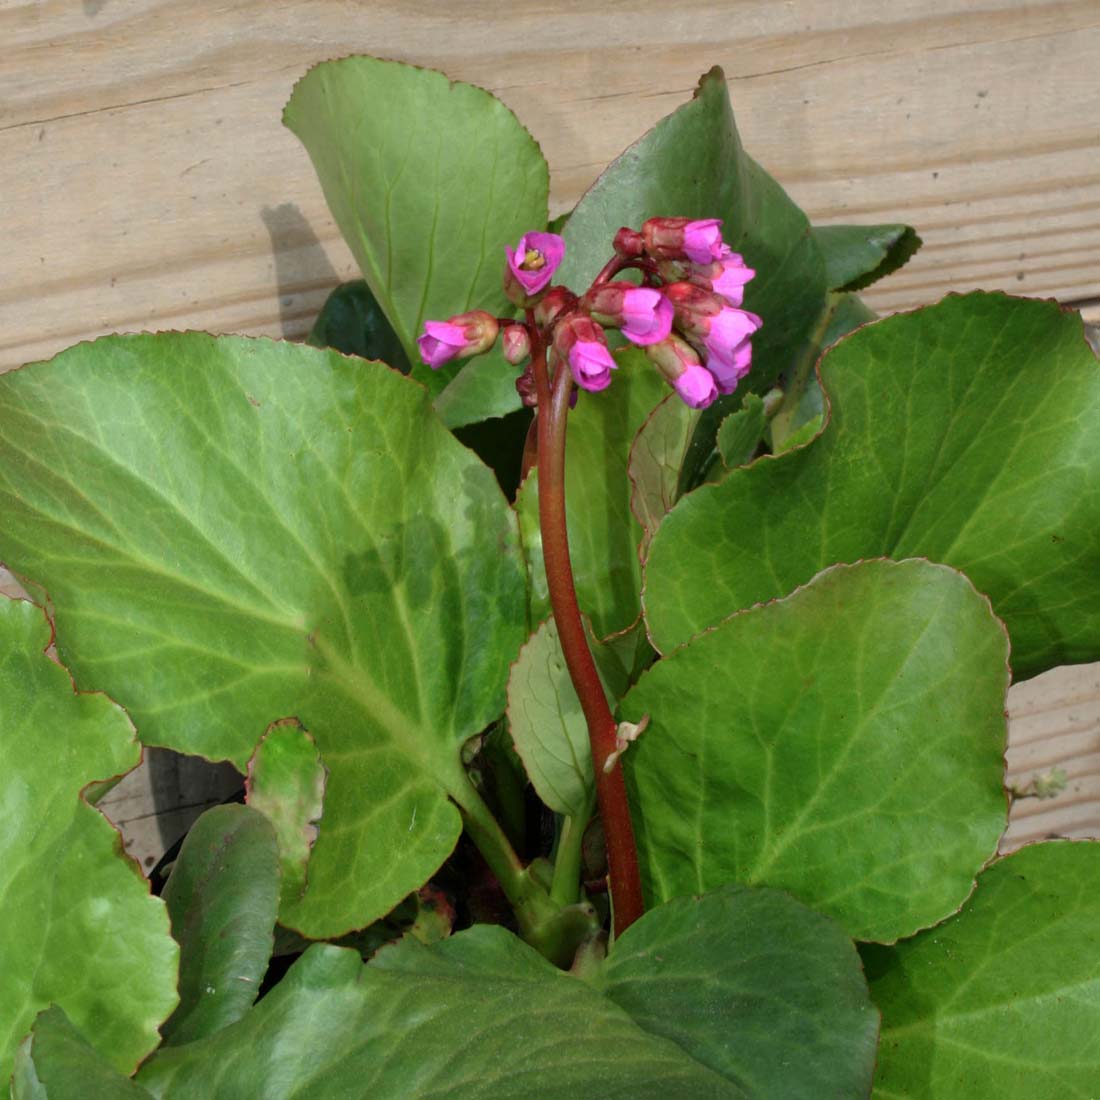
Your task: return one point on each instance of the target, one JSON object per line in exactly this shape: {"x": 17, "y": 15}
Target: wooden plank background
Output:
{"x": 146, "y": 181}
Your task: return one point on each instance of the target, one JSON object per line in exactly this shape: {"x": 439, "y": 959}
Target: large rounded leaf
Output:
{"x": 965, "y": 433}
{"x": 80, "y": 929}
{"x": 234, "y": 531}
{"x": 754, "y": 985}
{"x": 1002, "y": 1002}
{"x": 428, "y": 180}
{"x": 741, "y": 994}
{"x": 844, "y": 743}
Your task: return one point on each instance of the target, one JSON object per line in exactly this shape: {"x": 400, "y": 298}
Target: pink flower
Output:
{"x": 726, "y": 277}
{"x": 457, "y": 338}
{"x": 729, "y": 371}
{"x": 591, "y": 364}
{"x": 682, "y": 238}
{"x": 696, "y": 387}
{"x": 440, "y": 342}
{"x": 643, "y": 314}
{"x": 581, "y": 343}
{"x": 703, "y": 241}
{"x": 534, "y": 261}
{"x": 678, "y": 362}
{"x": 647, "y": 315}
{"x": 728, "y": 329}
{"x": 731, "y": 281}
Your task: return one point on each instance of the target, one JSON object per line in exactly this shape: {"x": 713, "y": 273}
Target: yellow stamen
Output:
{"x": 533, "y": 260}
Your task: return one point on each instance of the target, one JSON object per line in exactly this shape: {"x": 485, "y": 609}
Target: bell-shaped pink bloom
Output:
{"x": 647, "y": 315}
{"x": 591, "y": 363}
{"x": 703, "y": 241}
{"x": 726, "y": 277}
{"x": 728, "y": 371}
{"x": 727, "y": 330}
{"x": 697, "y": 387}
{"x": 534, "y": 260}
{"x": 440, "y": 342}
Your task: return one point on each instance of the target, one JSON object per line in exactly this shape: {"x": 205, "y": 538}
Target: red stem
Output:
{"x": 622, "y": 857}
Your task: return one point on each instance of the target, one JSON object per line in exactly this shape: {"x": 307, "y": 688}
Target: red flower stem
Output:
{"x": 622, "y": 856}
{"x": 622, "y": 263}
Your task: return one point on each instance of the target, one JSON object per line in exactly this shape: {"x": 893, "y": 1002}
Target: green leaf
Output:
{"x": 844, "y": 743}
{"x": 80, "y": 929}
{"x": 484, "y": 388}
{"x": 657, "y": 457}
{"x": 286, "y": 783}
{"x": 235, "y": 531}
{"x": 739, "y": 434}
{"x": 482, "y": 1015}
{"x": 603, "y": 533}
{"x": 548, "y": 725}
{"x": 222, "y": 896}
{"x": 428, "y": 180}
{"x": 754, "y": 985}
{"x": 803, "y": 400}
{"x": 1002, "y": 1001}
{"x": 691, "y": 164}
{"x": 352, "y": 321}
{"x": 858, "y": 255}
{"x": 801, "y": 435}
{"x": 964, "y": 433}
{"x": 56, "y": 1063}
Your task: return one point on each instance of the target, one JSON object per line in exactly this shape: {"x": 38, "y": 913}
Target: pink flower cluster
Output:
{"x": 687, "y": 315}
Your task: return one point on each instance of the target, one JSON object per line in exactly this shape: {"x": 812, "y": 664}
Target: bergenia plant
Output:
{"x": 610, "y": 619}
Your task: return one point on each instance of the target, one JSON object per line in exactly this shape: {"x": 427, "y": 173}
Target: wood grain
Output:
{"x": 147, "y": 183}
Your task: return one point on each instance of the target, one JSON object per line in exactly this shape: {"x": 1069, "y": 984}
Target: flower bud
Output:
{"x": 726, "y": 277}
{"x": 629, "y": 243}
{"x": 679, "y": 364}
{"x": 457, "y": 338}
{"x": 556, "y": 301}
{"x": 531, "y": 266}
{"x": 643, "y": 313}
{"x": 516, "y": 344}
{"x": 699, "y": 241}
{"x": 582, "y": 344}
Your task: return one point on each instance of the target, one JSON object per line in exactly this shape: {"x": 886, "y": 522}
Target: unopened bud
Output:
{"x": 699, "y": 241}
{"x": 516, "y": 344}
{"x": 556, "y": 301}
{"x": 629, "y": 243}
{"x": 679, "y": 365}
{"x": 582, "y": 344}
{"x": 643, "y": 313}
{"x": 459, "y": 337}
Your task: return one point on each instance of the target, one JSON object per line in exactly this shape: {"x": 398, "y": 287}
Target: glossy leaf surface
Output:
{"x": 352, "y": 321}
{"x": 1002, "y": 1002}
{"x": 964, "y": 433}
{"x": 235, "y": 531}
{"x": 428, "y": 180}
{"x": 57, "y": 1063}
{"x": 858, "y": 255}
{"x": 481, "y": 1015}
{"x": 80, "y": 928}
{"x": 222, "y": 897}
{"x": 844, "y": 743}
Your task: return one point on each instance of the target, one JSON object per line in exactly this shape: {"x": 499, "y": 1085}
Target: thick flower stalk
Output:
{"x": 686, "y": 314}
